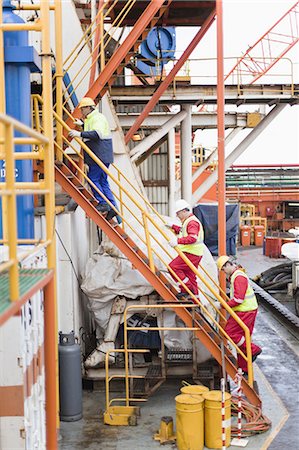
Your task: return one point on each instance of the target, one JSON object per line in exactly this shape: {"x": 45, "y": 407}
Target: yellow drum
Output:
{"x": 189, "y": 422}
{"x": 213, "y": 419}
{"x": 194, "y": 389}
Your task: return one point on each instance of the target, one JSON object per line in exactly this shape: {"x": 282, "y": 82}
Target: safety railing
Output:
{"x": 10, "y": 189}
{"x": 128, "y": 375}
{"x": 203, "y": 71}
{"x": 98, "y": 49}
{"x": 146, "y": 225}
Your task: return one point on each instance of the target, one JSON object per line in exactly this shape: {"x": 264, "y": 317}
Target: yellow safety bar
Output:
{"x": 103, "y": 43}
{"x": 10, "y": 189}
{"x": 147, "y": 220}
{"x": 127, "y": 376}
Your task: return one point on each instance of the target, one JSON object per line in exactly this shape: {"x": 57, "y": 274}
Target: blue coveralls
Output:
{"x": 97, "y": 137}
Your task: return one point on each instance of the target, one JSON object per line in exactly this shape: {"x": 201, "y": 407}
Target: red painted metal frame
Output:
{"x": 51, "y": 365}
{"x": 252, "y": 64}
{"x": 221, "y": 135}
{"x": 170, "y": 77}
{"x": 121, "y": 52}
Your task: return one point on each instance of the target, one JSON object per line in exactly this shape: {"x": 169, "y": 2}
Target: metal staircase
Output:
{"x": 209, "y": 336}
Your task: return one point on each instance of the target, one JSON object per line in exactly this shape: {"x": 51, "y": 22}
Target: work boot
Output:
{"x": 103, "y": 207}
{"x": 182, "y": 296}
{"x": 111, "y": 214}
{"x": 256, "y": 355}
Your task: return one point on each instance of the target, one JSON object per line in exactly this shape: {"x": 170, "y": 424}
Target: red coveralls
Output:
{"x": 238, "y": 289}
{"x": 178, "y": 265}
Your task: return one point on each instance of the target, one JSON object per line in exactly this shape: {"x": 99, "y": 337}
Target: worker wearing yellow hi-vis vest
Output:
{"x": 97, "y": 136}
{"x": 190, "y": 237}
{"x": 243, "y": 302}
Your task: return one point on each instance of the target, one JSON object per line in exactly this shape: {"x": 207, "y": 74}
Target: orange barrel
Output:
{"x": 189, "y": 422}
{"x": 275, "y": 251}
{"x": 245, "y": 235}
{"x": 259, "y": 233}
{"x": 194, "y": 389}
{"x": 213, "y": 419}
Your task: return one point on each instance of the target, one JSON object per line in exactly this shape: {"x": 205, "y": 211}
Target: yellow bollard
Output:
{"x": 194, "y": 389}
{"x": 189, "y": 422}
{"x": 213, "y": 423}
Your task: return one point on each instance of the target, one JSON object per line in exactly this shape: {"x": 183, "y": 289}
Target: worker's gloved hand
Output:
{"x": 78, "y": 123}
{"x": 173, "y": 242}
{"x": 168, "y": 224}
{"x": 74, "y": 133}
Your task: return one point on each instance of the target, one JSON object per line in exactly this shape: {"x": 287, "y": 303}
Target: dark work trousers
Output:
{"x": 185, "y": 273}
{"x": 236, "y": 333}
{"x": 99, "y": 177}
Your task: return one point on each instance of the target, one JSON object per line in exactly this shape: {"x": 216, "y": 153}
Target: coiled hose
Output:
{"x": 256, "y": 422}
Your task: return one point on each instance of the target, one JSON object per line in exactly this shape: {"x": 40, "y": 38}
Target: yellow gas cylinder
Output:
{"x": 194, "y": 389}
{"x": 213, "y": 419}
{"x": 189, "y": 422}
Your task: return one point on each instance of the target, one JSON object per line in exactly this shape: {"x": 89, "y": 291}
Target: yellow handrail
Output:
{"x": 10, "y": 189}
{"x": 146, "y": 218}
{"x": 114, "y": 26}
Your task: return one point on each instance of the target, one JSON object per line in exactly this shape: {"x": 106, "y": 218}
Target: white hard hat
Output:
{"x": 181, "y": 204}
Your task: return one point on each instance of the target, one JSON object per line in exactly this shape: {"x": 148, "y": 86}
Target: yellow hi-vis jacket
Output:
{"x": 249, "y": 303}
{"x": 197, "y": 247}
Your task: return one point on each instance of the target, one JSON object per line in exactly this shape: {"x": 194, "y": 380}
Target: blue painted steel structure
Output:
{"x": 20, "y": 60}
{"x": 156, "y": 50}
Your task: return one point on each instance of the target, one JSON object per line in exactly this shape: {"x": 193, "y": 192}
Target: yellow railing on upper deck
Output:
{"x": 10, "y": 189}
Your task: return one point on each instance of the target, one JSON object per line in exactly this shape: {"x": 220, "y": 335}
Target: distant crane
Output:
{"x": 282, "y": 36}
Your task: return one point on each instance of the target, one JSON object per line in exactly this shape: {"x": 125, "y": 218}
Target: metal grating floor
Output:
{"x": 28, "y": 278}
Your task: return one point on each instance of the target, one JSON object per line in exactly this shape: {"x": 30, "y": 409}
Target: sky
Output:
{"x": 244, "y": 22}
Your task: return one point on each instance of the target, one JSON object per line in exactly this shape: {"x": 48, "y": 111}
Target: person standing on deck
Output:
{"x": 244, "y": 303}
{"x": 190, "y": 237}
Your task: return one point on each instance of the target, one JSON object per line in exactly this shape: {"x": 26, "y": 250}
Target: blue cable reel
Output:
{"x": 156, "y": 50}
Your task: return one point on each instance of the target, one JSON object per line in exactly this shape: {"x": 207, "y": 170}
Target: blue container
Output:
{"x": 19, "y": 61}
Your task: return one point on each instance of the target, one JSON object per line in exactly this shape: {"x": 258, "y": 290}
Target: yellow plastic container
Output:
{"x": 189, "y": 422}
{"x": 194, "y": 389}
{"x": 213, "y": 419}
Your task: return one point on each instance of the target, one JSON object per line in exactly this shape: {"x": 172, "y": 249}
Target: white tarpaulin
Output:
{"x": 109, "y": 274}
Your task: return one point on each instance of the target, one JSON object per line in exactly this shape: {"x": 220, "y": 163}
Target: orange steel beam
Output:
{"x": 157, "y": 283}
{"x": 118, "y": 56}
{"x": 258, "y": 65}
{"x": 169, "y": 78}
{"x": 50, "y": 365}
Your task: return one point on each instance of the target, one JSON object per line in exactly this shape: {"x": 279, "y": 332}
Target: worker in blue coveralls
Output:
{"x": 97, "y": 136}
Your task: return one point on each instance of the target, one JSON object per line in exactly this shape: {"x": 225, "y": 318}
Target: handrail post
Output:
{"x": 59, "y": 70}
{"x": 126, "y": 359}
{"x": 12, "y": 213}
{"x": 148, "y": 242}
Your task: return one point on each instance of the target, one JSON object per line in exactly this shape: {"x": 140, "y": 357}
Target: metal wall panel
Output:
{"x": 154, "y": 174}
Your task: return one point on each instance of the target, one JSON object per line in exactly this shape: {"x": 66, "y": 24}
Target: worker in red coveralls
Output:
{"x": 243, "y": 301}
{"x": 190, "y": 241}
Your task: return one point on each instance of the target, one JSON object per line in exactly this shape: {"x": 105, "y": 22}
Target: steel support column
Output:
{"x": 171, "y": 172}
{"x": 155, "y": 136}
{"x": 209, "y": 160}
{"x": 170, "y": 77}
{"x": 186, "y": 155}
{"x": 221, "y": 135}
